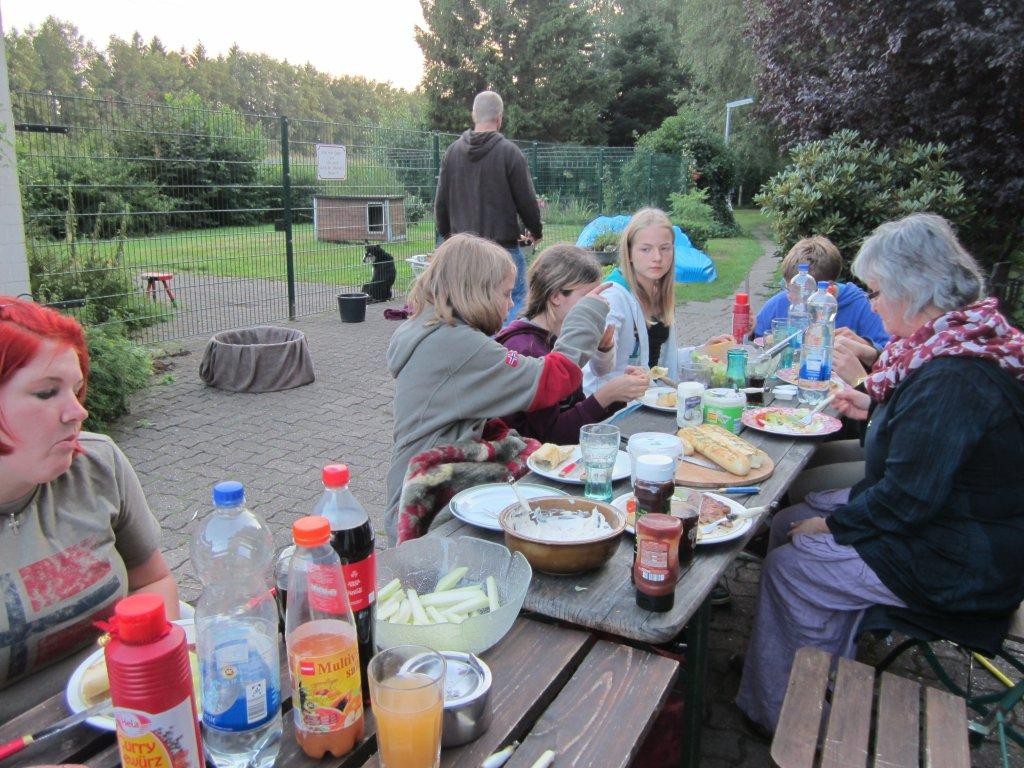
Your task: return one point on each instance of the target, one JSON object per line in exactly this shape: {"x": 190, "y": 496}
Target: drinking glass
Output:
{"x": 407, "y": 695}
{"x": 599, "y": 445}
{"x": 780, "y": 330}
{"x": 694, "y": 370}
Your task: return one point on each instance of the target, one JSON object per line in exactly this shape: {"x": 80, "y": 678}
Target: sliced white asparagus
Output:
{"x": 472, "y": 604}
{"x": 452, "y": 578}
{"x": 492, "y": 593}
{"x": 547, "y": 757}
{"x": 451, "y": 596}
{"x": 454, "y": 618}
{"x": 501, "y": 757}
{"x": 393, "y": 587}
{"x": 435, "y": 615}
{"x": 403, "y": 614}
{"x": 388, "y": 609}
{"x": 419, "y": 616}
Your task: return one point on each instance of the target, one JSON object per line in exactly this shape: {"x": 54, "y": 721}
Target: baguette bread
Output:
{"x": 728, "y": 439}
{"x": 687, "y": 445}
{"x": 550, "y": 455}
{"x": 724, "y": 456}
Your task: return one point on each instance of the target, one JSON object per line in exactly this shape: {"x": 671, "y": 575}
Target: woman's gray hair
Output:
{"x": 919, "y": 261}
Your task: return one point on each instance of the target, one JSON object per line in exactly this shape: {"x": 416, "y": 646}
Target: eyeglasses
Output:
{"x": 872, "y": 295}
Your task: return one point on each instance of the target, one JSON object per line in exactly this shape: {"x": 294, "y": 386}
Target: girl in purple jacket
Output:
{"x": 561, "y": 276}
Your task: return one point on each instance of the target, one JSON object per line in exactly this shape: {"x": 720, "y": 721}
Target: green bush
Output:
{"x": 843, "y": 187}
{"x": 118, "y": 368}
{"x": 567, "y": 210}
{"x": 691, "y": 212}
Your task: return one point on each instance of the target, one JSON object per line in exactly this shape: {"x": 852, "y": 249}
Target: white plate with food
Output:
{"x": 572, "y": 467}
{"x": 481, "y": 505}
{"x": 714, "y": 506}
{"x": 788, "y": 421}
{"x": 88, "y": 683}
{"x": 790, "y": 376}
{"x": 660, "y": 399}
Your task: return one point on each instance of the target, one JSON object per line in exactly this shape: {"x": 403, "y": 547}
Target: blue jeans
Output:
{"x": 519, "y": 292}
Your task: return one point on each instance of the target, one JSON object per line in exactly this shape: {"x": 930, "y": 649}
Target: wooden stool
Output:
{"x": 804, "y": 738}
{"x": 165, "y": 279}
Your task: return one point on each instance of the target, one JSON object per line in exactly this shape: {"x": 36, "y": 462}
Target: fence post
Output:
{"x": 533, "y": 162}
{"x": 650, "y": 179}
{"x": 286, "y": 216}
{"x": 600, "y": 180}
{"x": 436, "y": 141}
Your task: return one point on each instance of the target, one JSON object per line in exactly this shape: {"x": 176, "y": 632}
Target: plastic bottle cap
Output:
{"x": 141, "y": 618}
{"x": 311, "y": 531}
{"x": 335, "y": 475}
{"x": 655, "y": 468}
{"x": 228, "y": 493}
{"x": 742, "y": 299}
{"x": 803, "y": 267}
{"x": 823, "y": 285}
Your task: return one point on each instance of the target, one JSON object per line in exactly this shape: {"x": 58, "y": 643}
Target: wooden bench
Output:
{"x": 905, "y": 714}
{"x": 164, "y": 278}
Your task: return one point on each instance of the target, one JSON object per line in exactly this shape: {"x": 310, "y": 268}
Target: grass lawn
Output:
{"x": 733, "y": 257}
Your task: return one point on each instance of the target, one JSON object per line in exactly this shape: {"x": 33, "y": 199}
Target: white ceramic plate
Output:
{"x": 481, "y": 505}
{"x": 724, "y": 532}
{"x": 620, "y": 470}
{"x": 790, "y": 376}
{"x": 650, "y": 399}
{"x": 73, "y": 691}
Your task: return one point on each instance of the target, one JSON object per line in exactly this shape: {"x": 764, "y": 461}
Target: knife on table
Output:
{"x": 16, "y": 745}
{"x": 700, "y": 462}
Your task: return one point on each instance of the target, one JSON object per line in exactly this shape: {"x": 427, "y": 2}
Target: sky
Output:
{"x": 371, "y": 38}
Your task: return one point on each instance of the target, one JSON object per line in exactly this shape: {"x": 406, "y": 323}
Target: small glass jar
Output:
{"x": 656, "y": 567}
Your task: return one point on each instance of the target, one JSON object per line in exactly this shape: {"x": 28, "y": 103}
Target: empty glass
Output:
{"x": 599, "y": 445}
{"x": 780, "y": 330}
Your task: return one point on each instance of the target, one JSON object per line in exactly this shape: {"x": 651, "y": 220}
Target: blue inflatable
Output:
{"x": 692, "y": 266}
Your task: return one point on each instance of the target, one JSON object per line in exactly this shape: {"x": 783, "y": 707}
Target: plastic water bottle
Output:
{"x": 800, "y": 289}
{"x": 822, "y": 306}
{"x": 815, "y": 363}
{"x": 236, "y": 633}
{"x": 352, "y": 539}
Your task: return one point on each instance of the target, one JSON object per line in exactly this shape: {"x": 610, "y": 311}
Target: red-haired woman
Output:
{"x": 76, "y": 533}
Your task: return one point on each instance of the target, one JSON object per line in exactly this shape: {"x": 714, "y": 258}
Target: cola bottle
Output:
{"x": 352, "y": 539}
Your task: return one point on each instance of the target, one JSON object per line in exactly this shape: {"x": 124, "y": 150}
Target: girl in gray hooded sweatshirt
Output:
{"x": 451, "y": 376}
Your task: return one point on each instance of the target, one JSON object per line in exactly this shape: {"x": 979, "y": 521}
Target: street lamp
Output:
{"x": 729, "y": 107}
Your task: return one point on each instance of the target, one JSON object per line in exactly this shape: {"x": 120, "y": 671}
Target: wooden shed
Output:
{"x": 349, "y": 218}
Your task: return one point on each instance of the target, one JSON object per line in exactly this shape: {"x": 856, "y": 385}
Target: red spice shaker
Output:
{"x": 656, "y": 567}
{"x": 151, "y": 687}
{"x": 741, "y": 317}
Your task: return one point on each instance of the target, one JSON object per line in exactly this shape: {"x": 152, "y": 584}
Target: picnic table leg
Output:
{"x": 696, "y": 637}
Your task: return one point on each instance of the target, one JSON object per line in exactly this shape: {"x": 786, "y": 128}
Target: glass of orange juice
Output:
{"x": 407, "y": 694}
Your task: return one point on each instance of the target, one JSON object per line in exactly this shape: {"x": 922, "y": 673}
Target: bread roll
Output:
{"x": 724, "y": 456}
{"x": 550, "y": 455}
{"x": 729, "y": 440}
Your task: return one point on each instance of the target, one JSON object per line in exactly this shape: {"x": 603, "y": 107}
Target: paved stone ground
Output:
{"x": 182, "y": 437}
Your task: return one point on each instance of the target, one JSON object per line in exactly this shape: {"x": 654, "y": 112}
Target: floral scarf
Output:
{"x": 977, "y": 330}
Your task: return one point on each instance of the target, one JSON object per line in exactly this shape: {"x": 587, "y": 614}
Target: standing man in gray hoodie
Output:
{"x": 484, "y": 188}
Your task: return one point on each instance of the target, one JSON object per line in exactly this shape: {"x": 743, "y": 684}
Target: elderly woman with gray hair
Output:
{"x": 936, "y": 527}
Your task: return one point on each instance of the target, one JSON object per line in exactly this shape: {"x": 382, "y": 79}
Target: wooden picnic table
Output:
{"x": 590, "y": 699}
{"x": 604, "y": 600}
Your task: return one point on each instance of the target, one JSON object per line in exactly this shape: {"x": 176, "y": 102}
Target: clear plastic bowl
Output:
{"x": 418, "y": 564}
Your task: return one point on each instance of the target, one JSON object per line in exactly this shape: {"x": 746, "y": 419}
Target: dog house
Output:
{"x": 349, "y": 218}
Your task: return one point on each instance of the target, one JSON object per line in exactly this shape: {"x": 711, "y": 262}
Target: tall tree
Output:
{"x": 540, "y": 55}
{"x": 642, "y": 58}
{"x": 947, "y": 70}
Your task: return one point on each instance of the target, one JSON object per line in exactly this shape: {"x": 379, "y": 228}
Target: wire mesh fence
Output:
{"x": 178, "y": 219}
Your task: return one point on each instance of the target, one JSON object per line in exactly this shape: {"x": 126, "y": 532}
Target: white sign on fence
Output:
{"x": 330, "y": 161}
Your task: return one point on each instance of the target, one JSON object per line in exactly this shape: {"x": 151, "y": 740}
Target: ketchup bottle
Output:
{"x": 151, "y": 687}
{"x": 656, "y": 568}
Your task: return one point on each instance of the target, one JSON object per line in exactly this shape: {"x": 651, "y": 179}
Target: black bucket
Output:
{"x": 352, "y": 307}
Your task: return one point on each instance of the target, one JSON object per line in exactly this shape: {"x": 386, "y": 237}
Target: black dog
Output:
{"x": 379, "y": 287}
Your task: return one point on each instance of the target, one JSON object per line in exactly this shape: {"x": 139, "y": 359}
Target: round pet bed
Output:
{"x": 259, "y": 359}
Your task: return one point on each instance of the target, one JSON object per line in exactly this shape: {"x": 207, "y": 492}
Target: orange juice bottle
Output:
{"x": 410, "y": 707}
{"x": 323, "y": 653}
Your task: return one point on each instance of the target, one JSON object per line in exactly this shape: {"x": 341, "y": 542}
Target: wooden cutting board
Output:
{"x": 693, "y": 476}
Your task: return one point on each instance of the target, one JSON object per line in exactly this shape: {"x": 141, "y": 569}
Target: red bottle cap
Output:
{"x": 141, "y": 618}
{"x": 335, "y": 475}
{"x": 311, "y": 531}
{"x": 742, "y": 299}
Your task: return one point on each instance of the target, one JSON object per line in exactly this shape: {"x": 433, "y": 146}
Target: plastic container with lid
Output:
{"x": 654, "y": 484}
{"x": 689, "y": 404}
{"x": 652, "y": 442}
{"x": 724, "y": 407}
